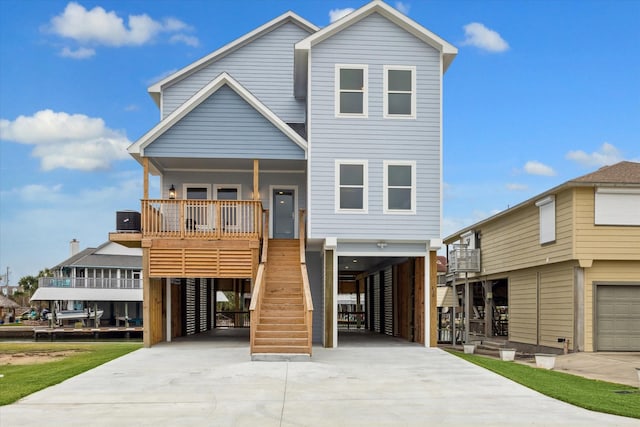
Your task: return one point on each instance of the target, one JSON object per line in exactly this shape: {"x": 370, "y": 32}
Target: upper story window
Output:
{"x": 617, "y": 206}
{"x": 399, "y": 187}
{"x": 399, "y": 91}
{"x": 351, "y": 90}
{"x": 351, "y": 188}
{"x": 547, "y": 208}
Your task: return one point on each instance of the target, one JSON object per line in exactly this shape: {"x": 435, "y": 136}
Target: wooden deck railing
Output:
{"x": 308, "y": 302}
{"x": 257, "y": 292}
{"x": 207, "y": 219}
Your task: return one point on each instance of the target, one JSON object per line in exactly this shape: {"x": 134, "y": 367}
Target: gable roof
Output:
{"x": 223, "y": 79}
{"x": 155, "y": 89}
{"x": 302, "y": 48}
{"x": 622, "y": 174}
{"x": 90, "y": 257}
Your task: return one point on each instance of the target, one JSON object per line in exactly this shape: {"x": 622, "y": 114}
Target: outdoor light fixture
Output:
{"x": 172, "y": 192}
{"x": 382, "y": 245}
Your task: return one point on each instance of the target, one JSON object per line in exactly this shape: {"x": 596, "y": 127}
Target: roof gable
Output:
{"x": 302, "y": 48}
{"x": 289, "y": 16}
{"x": 224, "y": 79}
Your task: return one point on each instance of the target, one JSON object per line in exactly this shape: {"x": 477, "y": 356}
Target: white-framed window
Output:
{"x": 197, "y": 216}
{"x": 228, "y": 191}
{"x": 351, "y": 186}
{"x": 351, "y": 83}
{"x": 399, "y": 187}
{"x": 547, "y": 208}
{"x": 399, "y": 91}
{"x": 617, "y": 206}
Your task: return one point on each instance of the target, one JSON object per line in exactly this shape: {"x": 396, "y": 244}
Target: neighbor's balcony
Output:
{"x": 203, "y": 219}
{"x": 89, "y": 283}
{"x": 464, "y": 260}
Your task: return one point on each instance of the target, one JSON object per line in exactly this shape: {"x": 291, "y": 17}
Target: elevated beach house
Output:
{"x": 560, "y": 270}
{"x": 294, "y": 162}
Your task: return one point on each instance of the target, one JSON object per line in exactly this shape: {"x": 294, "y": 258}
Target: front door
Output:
{"x": 283, "y": 214}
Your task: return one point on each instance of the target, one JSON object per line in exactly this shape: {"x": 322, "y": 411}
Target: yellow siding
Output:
{"x": 523, "y": 308}
{"x": 513, "y": 241}
{"x": 602, "y": 242}
{"x": 604, "y": 271}
{"x": 556, "y": 304}
{"x": 541, "y": 304}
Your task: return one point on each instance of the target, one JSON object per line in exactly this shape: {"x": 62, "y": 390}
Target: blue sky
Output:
{"x": 540, "y": 92}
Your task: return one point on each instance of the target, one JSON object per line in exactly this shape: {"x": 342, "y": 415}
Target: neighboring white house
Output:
{"x": 108, "y": 277}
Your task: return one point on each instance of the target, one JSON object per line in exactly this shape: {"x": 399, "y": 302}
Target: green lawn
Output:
{"x": 596, "y": 395}
{"x": 21, "y": 380}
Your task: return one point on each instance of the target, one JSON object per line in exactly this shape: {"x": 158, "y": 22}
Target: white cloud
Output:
{"x": 403, "y": 7}
{"x": 335, "y": 14}
{"x": 183, "y": 38}
{"x": 99, "y": 27}
{"x": 512, "y": 186}
{"x": 484, "y": 38}
{"x": 69, "y": 141}
{"x": 80, "y": 53}
{"x": 608, "y": 154}
{"x": 536, "y": 168}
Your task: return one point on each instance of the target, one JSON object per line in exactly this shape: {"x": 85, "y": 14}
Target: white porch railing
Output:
{"x": 89, "y": 282}
{"x": 464, "y": 260}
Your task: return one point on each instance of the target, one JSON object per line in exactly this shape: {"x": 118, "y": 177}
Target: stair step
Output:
{"x": 281, "y": 349}
{"x": 281, "y": 320}
{"x": 282, "y": 334}
{"x": 281, "y": 342}
{"x": 283, "y": 327}
{"x": 281, "y": 313}
{"x": 285, "y": 306}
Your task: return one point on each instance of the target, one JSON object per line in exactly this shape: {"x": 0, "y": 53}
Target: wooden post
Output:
{"x": 433, "y": 303}
{"x": 256, "y": 191}
{"x": 145, "y": 168}
{"x": 146, "y": 295}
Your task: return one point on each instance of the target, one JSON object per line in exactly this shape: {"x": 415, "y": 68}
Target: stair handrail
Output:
{"x": 256, "y": 295}
{"x": 307, "y": 300}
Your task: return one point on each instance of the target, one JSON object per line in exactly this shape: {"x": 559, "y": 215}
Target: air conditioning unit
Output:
{"x": 127, "y": 221}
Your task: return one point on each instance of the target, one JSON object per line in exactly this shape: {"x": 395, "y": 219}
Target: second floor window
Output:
{"x": 399, "y": 92}
{"x": 351, "y": 90}
{"x": 351, "y": 191}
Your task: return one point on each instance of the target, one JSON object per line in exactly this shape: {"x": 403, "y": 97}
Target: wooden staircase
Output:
{"x": 282, "y": 323}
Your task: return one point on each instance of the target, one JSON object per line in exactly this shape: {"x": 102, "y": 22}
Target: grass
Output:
{"x": 22, "y": 380}
{"x": 590, "y": 394}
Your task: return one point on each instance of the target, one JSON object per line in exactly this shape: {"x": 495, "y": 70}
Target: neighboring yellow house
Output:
{"x": 564, "y": 265}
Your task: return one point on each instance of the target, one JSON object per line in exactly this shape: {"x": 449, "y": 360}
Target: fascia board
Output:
{"x": 230, "y": 47}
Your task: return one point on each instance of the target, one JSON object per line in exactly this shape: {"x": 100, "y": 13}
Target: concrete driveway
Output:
{"x": 201, "y": 383}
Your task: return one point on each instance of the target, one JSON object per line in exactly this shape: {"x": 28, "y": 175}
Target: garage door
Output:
{"x": 618, "y": 318}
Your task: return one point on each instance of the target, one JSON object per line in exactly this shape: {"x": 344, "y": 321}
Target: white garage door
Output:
{"x": 618, "y": 318}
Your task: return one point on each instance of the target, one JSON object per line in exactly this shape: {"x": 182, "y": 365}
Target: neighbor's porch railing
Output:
{"x": 89, "y": 282}
{"x": 209, "y": 219}
{"x": 464, "y": 260}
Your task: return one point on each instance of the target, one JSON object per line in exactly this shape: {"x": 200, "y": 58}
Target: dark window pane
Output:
{"x": 351, "y": 102}
{"x": 351, "y": 175}
{"x": 399, "y": 80}
{"x": 351, "y": 79}
{"x": 400, "y": 103}
{"x": 399, "y": 175}
{"x": 195, "y": 193}
{"x": 399, "y": 198}
{"x": 227, "y": 194}
{"x": 351, "y": 198}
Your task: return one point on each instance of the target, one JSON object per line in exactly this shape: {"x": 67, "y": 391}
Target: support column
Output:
{"x": 488, "y": 308}
{"x": 145, "y": 171}
{"x": 467, "y": 304}
{"x": 330, "y": 298}
{"x": 432, "y": 273}
{"x": 168, "y": 310}
{"x": 256, "y": 188}
{"x": 146, "y": 295}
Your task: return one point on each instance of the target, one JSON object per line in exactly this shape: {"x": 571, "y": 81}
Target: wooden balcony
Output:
{"x": 202, "y": 219}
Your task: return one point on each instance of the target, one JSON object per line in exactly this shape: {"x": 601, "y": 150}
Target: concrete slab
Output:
{"x": 200, "y": 383}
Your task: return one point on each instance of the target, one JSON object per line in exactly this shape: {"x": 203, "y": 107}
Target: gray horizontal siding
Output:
{"x": 224, "y": 126}
{"x": 264, "y": 67}
{"x": 376, "y": 42}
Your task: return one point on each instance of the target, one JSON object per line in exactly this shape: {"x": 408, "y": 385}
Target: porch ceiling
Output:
{"x": 165, "y": 164}
{"x": 359, "y": 264}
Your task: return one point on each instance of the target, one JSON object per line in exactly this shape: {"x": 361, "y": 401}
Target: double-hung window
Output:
{"x": 351, "y": 188}
{"x": 399, "y": 91}
{"x": 399, "y": 187}
{"x": 351, "y": 90}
